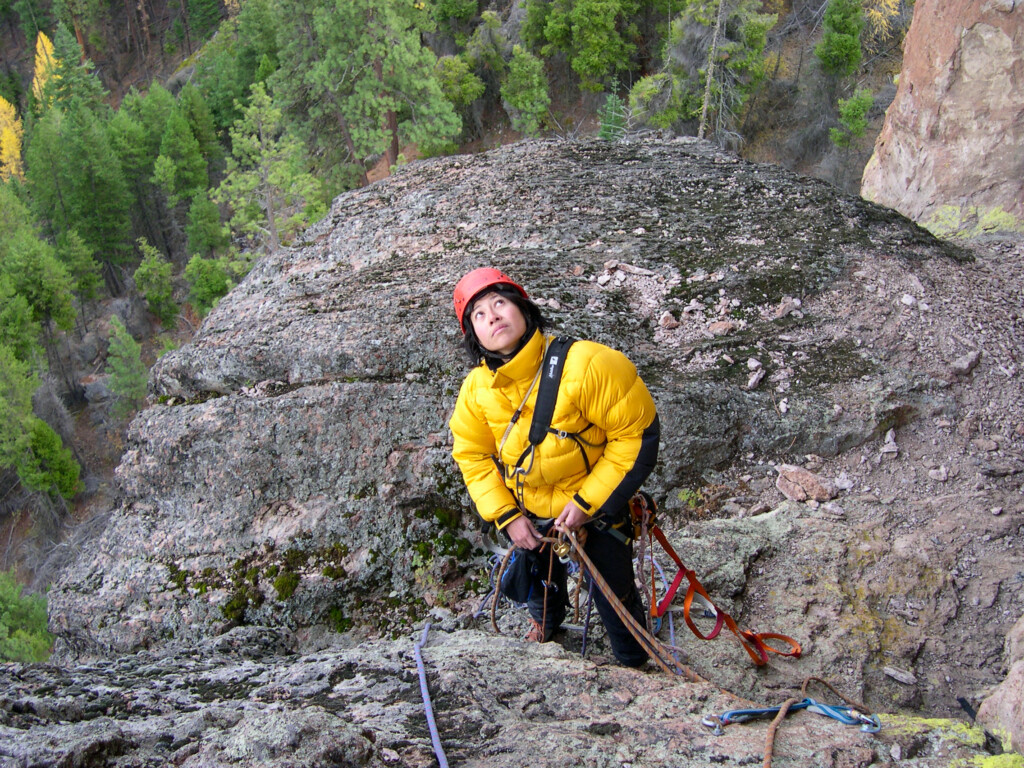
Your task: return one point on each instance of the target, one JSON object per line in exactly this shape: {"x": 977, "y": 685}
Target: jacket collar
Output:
{"x": 525, "y": 363}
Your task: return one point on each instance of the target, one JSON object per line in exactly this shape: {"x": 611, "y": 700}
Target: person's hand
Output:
{"x": 522, "y": 533}
{"x": 571, "y": 519}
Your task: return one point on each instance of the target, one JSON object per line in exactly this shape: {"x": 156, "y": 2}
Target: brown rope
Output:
{"x": 497, "y": 590}
{"x": 657, "y": 650}
{"x": 769, "y": 746}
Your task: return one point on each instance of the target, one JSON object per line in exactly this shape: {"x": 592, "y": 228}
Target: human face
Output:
{"x": 498, "y": 323}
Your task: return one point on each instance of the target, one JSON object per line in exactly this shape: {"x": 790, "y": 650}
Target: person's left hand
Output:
{"x": 571, "y": 519}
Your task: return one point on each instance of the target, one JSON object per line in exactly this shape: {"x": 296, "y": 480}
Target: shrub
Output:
{"x": 23, "y": 634}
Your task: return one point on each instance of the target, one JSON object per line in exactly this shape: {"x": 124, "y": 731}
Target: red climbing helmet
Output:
{"x": 477, "y": 281}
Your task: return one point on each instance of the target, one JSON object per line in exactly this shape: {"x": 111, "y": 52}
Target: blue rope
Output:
{"x": 435, "y": 738}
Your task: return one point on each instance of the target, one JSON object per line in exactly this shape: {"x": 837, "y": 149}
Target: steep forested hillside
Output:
{"x": 148, "y": 149}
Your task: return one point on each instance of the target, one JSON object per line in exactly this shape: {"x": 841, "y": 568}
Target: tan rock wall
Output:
{"x": 951, "y": 152}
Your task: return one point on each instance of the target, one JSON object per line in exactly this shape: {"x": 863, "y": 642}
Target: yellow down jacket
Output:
{"x": 601, "y": 398}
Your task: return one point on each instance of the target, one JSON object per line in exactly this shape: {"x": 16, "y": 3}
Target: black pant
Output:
{"x": 614, "y": 561}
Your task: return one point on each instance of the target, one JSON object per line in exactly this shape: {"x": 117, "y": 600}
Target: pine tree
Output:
{"x": 595, "y": 35}
{"x": 702, "y": 68}
{"x": 839, "y": 50}
{"x": 47, "y": 466}
{"x": 23, "y": 634}
{"x": 76, "y": 182}
{"x": 153, "y": 282}
{"x": 11, "y": 132}
{"x": 73, "y": 76}
{"x": 270, "y": 193}
{"x": 19, "y": 331}
{"x": 206, "y": 235}
{"x": 29, "y": 266}
{"x": 128, "y": 374}
{"x": 77, "y": 259}
{"x": 200, "y": 121}
{"x": 209, "y": 282}
{"x": 180, "y": 169}
{"x": 32, "y": 17}
{"x": 17, "y": 383}
{"x": 351, "y": 72}
{"x": 526, "y": 92}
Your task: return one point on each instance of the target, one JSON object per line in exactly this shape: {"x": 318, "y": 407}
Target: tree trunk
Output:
{"x": 711, "y": 71}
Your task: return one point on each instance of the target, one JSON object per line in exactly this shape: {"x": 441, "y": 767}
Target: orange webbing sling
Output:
{"x": 643, "y": 512}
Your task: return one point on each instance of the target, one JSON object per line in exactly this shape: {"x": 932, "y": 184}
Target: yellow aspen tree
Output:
{"x": 10, "y": 142}
{"x": 46, "y": 66}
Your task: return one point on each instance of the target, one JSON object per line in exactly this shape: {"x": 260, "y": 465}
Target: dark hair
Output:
{"x": 535, "y": 321}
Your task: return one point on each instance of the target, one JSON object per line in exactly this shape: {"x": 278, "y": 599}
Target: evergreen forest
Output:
{"x": 150, "y": 150}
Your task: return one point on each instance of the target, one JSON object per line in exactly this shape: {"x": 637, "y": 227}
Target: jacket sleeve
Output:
{"x": 614, "y": 397}
{"x": 474, "y": 451}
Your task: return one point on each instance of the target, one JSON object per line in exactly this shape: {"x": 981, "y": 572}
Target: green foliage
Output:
{"x": 839, "y": 50}
{"x": 17, "y": 383}
{"x": 128, "y": 374}
{"x": 596, "y": 36}
{"x": 76, "y": 180}
{"x": 23, "y": 634}
{"x": 534, "y": 23}
{"x": 661, "y": 101}
{"x": 203, "y": 16}
{"x": 153, "y": 282}
{"x": 675, "y": 96}
{"x": 525, "y": 92}
{"x": 47, "y": 465}
{"x": 389, "y": 96}
{"x": 453, "y": 17}
{"x": 34, "y": 273}
{"x": 209, "y": 281}
{"x": 612, "y": 115}
{"x": 77, "y": 259}
{"x": 485, "y": 50}
{"x": 32, "y": 17}
{"x": 458, "y": 83}
{"x": 30, "y": 270}
{"x": 234, "y": 60}
{"x": 73, "y": 78}
{"x": 268, "y": 187}
{"x": 206, "y": 235}
{"x": 200, "y": 122}
{"x": 19, "y": 331}
{"x": 853, "y": 118}
{"x": 180, "y": 169}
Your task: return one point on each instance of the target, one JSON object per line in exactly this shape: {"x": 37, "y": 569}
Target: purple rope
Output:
{"x": 586, "y": 620}
{"x": 435, "y": 738}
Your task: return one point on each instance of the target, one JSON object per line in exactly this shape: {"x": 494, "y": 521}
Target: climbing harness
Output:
{"x": 646, "y": 530}
{"x": 435, "y": 737}
{"x": 854, "y": 714}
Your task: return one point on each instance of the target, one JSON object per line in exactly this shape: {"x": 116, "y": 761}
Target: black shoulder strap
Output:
{"x": 547, "y": 393}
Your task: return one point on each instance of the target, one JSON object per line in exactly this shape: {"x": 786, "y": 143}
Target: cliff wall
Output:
{"x": 951, "y": 152}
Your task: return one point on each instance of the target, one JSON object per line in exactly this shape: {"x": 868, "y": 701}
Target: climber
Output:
{"x": 600, "y": 444}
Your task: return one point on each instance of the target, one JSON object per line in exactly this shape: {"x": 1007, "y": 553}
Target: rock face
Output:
{"x": 294, "y": 472}
{"x": 951, "y": 152}
{"x": 243, "y": 699}
{"x": 1003, "y": 710}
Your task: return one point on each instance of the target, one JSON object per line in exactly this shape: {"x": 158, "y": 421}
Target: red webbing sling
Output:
{"x": 753, "y": 642}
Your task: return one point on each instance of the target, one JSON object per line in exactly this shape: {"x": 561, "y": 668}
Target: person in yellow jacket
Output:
{"x": 602, "y": 445}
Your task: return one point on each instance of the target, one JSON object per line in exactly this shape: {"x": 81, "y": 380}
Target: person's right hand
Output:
{"x": 523, "y": 534}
